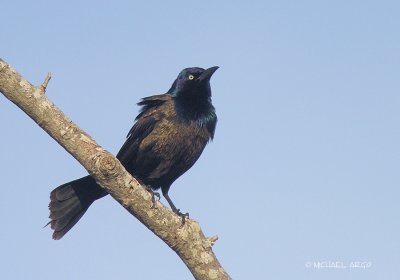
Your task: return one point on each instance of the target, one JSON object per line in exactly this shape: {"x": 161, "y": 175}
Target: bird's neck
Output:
{"x": 197, "y": 109}
{"x": 201, "y": 112}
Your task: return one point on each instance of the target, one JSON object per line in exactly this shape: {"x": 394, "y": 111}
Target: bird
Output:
{"x": 168, "y": 136}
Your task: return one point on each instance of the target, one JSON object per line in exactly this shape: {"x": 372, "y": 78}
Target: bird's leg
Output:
{"x": 174, "y": 209}
{"x": 153, "y": 196}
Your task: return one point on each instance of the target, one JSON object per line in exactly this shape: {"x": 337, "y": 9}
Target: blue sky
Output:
{"x": 304, "y": 165}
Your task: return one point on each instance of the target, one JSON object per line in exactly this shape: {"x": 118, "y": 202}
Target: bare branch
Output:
{"x": 188, "y": 241}
{"x": 43, "y": 86}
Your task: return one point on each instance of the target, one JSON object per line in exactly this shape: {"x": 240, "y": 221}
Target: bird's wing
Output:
{"x": 145, "y": 122}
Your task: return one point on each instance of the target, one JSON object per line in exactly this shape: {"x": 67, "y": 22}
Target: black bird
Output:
{"x": 169, "y": 135}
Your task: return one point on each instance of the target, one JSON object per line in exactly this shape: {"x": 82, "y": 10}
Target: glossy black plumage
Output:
{"x": 167, "y": 138}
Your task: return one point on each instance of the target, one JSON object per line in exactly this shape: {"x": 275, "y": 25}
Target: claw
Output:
{"x": 153, "y": 195}
{"x": 182, "y": 215}
{"x": 156, "y": 194}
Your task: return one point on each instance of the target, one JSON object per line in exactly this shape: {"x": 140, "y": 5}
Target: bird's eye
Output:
{"x": 190, "y": 77}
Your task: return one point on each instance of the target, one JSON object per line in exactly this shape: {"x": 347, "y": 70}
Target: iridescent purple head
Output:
{"x": 193, "y": 82}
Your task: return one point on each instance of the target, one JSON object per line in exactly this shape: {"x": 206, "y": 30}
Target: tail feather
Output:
{"x": 70, "y": 201}
{"x": 58, "y": 208}
{"x": 64, "y": 224}
{"x": 63, "y": 192}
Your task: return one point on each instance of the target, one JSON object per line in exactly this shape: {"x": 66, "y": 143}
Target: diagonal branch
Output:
{"x": 188, "y": 241}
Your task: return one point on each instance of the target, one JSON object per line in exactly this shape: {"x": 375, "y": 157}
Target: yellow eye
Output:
{"x": 190, "y": 77}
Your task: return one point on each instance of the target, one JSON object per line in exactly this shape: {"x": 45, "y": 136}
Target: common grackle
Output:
{"x": 167, "y": 138}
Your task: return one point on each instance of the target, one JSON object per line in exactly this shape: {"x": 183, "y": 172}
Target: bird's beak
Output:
{"x": 206, "y": 75}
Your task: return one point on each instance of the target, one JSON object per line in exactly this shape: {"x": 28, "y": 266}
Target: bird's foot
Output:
{"x": 182, "y": 215}
{"x": 153, "y": 196}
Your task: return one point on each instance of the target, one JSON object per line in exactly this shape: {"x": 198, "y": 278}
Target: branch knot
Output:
{"x": 107, "y": 166}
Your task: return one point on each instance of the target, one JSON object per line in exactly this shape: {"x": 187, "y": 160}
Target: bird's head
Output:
{"x": 193, "y": 83}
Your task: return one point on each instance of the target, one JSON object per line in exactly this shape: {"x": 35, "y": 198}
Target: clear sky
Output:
{"x": 304, "y": 168}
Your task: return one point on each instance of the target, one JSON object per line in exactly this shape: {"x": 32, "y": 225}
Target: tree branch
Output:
{"x": 188, "y": 241}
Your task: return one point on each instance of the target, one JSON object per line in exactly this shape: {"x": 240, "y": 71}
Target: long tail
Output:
{"x": 70, "y": 201}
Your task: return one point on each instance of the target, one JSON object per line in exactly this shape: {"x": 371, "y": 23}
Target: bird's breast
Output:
{"x": 178, "y": 138}
{"x": 171, "y": 148}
